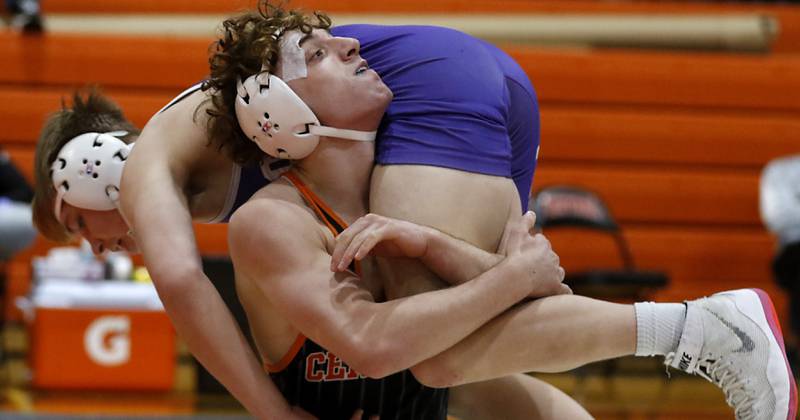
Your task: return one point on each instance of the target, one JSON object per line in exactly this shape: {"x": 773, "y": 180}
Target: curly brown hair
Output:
{"x": 91, "y": 111}
{"x": 248, "y": 42}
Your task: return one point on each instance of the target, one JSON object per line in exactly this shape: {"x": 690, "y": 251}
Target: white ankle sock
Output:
{"x": 658, "y": 327}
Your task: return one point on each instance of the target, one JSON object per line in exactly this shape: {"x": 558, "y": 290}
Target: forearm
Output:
{"x": 204, "y": 322}
{"x": 409, "y": 330}
{"x": 164, "y": 232}
{"x": 338, "y": 310}
{"x": 455, "y": 261}
{"x": 210, "y": 332}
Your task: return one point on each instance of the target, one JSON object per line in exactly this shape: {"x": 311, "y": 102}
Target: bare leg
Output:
{"x": 513, "y": 397}
{"x": 562, "y": 332}
{"x": 475, "y": 209}
{"x": 552, "y": 334}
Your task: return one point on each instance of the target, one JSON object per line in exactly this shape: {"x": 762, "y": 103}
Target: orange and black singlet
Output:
{"x": 315, "y": 379}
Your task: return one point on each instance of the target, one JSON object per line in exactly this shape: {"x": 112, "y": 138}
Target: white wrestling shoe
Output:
{"x": 733, "y": 340}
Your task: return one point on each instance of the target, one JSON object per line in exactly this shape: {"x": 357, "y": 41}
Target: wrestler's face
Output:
{"x": 105, "y": 230}
{"x": 336, "y": 88}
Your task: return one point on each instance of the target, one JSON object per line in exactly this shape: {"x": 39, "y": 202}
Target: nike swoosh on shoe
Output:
{"x": 747, "y": 343}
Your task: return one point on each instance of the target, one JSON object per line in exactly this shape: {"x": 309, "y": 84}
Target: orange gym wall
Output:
{"x": 674, "y": 141}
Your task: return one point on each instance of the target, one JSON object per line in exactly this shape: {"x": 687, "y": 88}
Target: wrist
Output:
{"x": 514, "y": 276}
{"x": 432, "y": 238}
{"x": 495, "y": 259}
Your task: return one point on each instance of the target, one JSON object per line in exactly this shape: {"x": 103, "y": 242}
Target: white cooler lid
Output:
{"x": 113, "y": 294}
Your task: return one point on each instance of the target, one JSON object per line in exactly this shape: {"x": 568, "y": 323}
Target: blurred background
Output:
{"x": 662, "y": 115}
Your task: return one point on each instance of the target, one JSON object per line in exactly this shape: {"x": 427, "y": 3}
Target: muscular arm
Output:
{"x": 453, "y": 260}
{"x": 336, "y": 309}
{"x": 156, "y": 207}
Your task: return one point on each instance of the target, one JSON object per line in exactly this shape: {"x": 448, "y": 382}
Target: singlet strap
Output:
{"x": 288, "y": 357}
{"x": 194, "y": 88}
{"x": 336, "y": 226}
{"x": 230, "y": 199}
{"x": 325, "y": 213}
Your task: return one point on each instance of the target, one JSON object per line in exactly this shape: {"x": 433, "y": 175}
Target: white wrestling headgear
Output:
{"x": 272, "y": 115}
{"x": 88, "y": 169}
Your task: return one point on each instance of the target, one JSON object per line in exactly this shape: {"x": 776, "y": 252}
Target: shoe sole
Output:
{"x": 765, "y": 318}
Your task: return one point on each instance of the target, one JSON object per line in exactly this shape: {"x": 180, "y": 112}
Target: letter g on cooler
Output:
{"x": 107, "y": 340}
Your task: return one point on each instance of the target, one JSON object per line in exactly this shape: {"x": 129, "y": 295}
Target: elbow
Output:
{"x": 173, "y": 282}
{"x": 436, "y": 372}
{"x": 374, "y": 360}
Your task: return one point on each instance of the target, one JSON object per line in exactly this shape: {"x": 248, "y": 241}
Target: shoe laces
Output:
{"x": 721, "y": 372}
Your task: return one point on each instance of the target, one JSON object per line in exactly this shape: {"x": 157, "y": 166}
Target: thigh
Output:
{"x": 471, "y": 207}
{"x": 517, "y": 396}
{"x": 468, "y": 206}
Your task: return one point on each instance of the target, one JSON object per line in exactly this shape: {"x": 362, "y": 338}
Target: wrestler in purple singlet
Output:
{"x": 459, "y": 102}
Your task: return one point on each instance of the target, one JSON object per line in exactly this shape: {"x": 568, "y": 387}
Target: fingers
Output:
{"x": 369, "y": 242}
{"x": 344, "y": 239}
{"x": 354, "y": 247}
{"x": 512, "y": 228}
{"x": 544, "y": 241}
{"x": 565, "y": 290}
{"x": 558, "y": 287}
{"x": 349, "y": 241}
{"x": 529, "y": 220}
{"x": 514, "y": 241}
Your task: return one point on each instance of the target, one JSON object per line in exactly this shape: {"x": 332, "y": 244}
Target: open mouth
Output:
{"x": 362, "y": 67}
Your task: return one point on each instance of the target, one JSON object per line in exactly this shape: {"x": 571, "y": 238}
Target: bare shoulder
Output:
{"x": 273, "y": 220}
{"x": 197, "y": 101}
{"x": 265, "y": 212}
{"x": 277, "y": 203}
{"x": 177, "y": 140}
{"x": 183, "y": 122}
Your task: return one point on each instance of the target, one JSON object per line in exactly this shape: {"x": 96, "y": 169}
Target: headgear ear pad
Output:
{"x": 271, "y": 114}
{"x": 88, "y": 170}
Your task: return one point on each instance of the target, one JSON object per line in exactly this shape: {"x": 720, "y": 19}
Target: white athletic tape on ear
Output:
{"x": 292, "y": 59}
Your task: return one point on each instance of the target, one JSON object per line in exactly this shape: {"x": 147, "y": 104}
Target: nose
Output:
{"x": 349, "y": 48}
{"x": 98, "y": 247}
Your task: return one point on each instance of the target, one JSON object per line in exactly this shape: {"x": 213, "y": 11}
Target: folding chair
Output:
{"x": 570, "y": 206}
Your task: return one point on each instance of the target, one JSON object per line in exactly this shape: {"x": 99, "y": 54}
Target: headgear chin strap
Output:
{"x": 272, "y": 115}
{"x": 88, "y": 169}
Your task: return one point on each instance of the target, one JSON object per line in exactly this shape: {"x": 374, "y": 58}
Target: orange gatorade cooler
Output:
{"x": 101, "y": 336}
